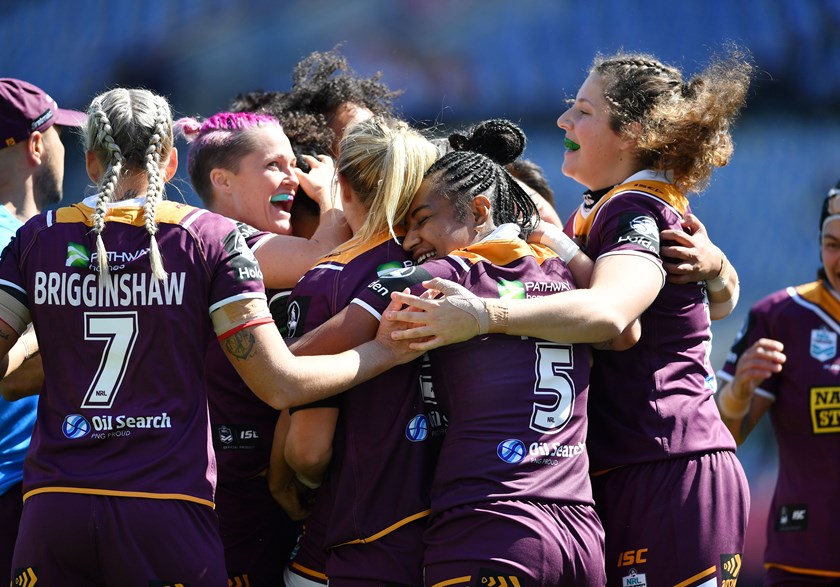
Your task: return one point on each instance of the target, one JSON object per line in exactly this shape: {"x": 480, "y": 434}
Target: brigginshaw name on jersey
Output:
{"x": 121, "y": 290}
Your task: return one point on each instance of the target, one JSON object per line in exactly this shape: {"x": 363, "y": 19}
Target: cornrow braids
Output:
{"x": 475, "y": 167}
{"x": 678, "y": 126}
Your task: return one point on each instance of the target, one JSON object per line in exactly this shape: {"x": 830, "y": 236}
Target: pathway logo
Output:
{"x": 511, "y": 290}
{"x": 77, "y": 255}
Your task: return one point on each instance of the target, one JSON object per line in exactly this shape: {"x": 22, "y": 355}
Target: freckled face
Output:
{"x": 433, "y": 227}
{"x": 265, "y": 172}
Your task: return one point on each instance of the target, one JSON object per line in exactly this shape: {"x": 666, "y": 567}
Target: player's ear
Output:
{"x": 480, "y": 209}
{"x": 171, "y": 165}
{"x": 93, "y": 166}
{"x": 220, "y": 179}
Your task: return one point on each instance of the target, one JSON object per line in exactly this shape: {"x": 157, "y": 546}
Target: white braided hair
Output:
{"x": 129, "y": 129}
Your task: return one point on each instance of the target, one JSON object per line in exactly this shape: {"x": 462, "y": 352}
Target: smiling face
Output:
{"x": 433, "y": 226}
{"x": 604, "y": 158}
{"x": 264, "y": 174}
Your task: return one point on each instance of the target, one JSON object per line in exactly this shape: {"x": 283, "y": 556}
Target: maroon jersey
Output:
{"x": 368, "y": 497}
{"x": 655, "y": 400}
{"x": 516, "y": 405}
{"x": 802, "y": 529}
{"x": 123, "y": 410}
{"x": 242, "y": 424}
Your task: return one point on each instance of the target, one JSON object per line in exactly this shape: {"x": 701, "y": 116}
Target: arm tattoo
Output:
{"x": 240, "y": 344}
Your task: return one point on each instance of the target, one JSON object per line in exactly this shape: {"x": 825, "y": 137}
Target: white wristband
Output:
{"x": 719, "y": 283}
{"x": 558, "y": 241}
{"x": 27, "y": 354}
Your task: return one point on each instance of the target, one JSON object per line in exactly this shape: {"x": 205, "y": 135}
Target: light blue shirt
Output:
{"x": 16, "y": 418}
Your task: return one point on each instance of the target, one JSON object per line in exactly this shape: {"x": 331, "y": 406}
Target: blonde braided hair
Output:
{"x": 129, "y": 130}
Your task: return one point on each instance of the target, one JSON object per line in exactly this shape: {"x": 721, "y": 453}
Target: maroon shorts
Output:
{"x": 11, "y": 505}
{"x": 78, "y": 540}
{"x": 675, "y": 522}
{"x": 309, "y": 558}
{"x": 515, "y": 542}
{"x": 257, "y": 534}
{"x": 393, "y": 560}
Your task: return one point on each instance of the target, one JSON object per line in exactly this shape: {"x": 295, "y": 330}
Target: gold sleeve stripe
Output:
{"x": 238, "y": 314}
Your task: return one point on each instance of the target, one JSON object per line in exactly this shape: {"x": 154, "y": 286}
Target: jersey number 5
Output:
{"x": 119, "y": 331}
{"x": 555, "y": 385}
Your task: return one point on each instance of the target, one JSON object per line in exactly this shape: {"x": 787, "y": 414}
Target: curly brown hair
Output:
{"x": 679, "y": 126}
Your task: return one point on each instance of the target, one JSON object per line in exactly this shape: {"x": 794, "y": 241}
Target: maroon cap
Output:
{"x": 25, "y": 108}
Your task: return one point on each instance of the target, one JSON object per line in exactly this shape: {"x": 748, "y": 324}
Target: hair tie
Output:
{"x": 187, "y": 128}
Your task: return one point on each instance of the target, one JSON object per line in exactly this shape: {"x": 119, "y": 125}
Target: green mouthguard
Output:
{"x": 570, "y": 145}
{"x": 282, "y": 198}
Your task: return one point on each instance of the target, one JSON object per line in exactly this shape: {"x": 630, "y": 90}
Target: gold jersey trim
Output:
{"x": 501, "y": 253}
{"x": 803, "y": 570}
{"x": 661, "y": 190}
{"x": 344, "y": 256}
{"x": 388, "y": 530}
{"x": 166, "y": 212}
{"x": 307, "y": 571}
{"x": 816, "y": 293}
{"x": 114, "y": 493}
